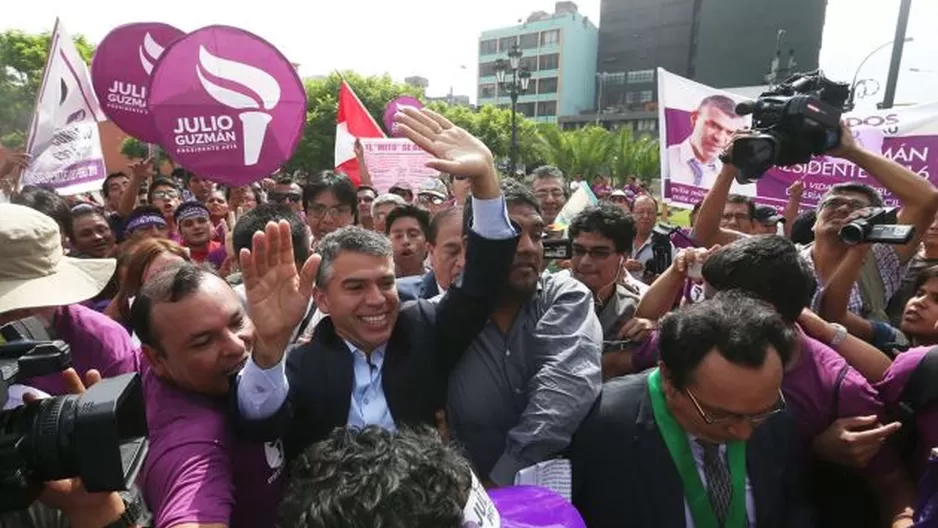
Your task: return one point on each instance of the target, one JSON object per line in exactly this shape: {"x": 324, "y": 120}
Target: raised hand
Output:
{"x": 456, "y": 151}
{"x": 277, "y": 295}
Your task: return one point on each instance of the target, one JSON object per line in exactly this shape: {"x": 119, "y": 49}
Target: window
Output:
{"x": 645, "y": 96}
{"x": 641, "y": 76}
{"x": 488, "y": 47}
{"x": 645, "y": 125}
{"x": 547, "y": 108}
{"x": 529, "y": 63}
{"x": 631, "y": 98}
{"x": 547, "y": 86}
{"x": 550, "y": 38}
{"x": 549, "y": 62}
{"x": 486, "y": 90}
{"x": 526, "y": 109}
{"x": 505, "y": 43}
{"x": 529, "y": 41}
{"x": 486, "y": 69}
{"x": 614, "y": 78}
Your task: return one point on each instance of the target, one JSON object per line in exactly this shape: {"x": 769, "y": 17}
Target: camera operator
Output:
{"x": 882, "y": 279}
{"x": 645, "y": 212}
{"x": 38, "y": 280}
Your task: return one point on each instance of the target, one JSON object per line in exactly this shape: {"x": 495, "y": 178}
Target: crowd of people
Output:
{"x": 320, "y": 354}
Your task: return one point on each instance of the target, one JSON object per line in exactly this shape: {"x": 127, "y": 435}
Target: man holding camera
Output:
{"x": 842, "y": 204}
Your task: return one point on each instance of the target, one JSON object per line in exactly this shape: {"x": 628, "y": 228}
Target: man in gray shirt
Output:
{"x": 530, "y": 377}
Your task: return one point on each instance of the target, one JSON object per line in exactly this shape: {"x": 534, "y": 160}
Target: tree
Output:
{"x": 591, "y": 151}
{"x": 22, "y": 59}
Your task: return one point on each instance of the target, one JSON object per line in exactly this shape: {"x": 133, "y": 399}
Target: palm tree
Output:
{"x": 633, "y": 157}
{"x": 578, "y": 153}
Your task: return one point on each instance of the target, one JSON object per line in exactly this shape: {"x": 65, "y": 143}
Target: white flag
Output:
{"x": 63, "y": 141}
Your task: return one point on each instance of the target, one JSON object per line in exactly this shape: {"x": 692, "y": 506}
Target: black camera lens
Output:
{"x": 853, "y": 233}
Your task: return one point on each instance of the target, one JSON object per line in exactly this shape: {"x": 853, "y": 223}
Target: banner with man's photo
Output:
{"x": 697, "y": 123}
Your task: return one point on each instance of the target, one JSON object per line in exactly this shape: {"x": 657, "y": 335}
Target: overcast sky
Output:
{"x": 435, "y": 38}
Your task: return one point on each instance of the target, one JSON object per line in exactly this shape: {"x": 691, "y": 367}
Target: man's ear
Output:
{"x": 156, "y": 359}
{"x": 321, "y": 299}
{"x": 693, "y": 118}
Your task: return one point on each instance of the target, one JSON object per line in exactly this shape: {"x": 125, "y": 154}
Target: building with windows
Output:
{"x": 559, "y": 51}
{"x": 720, "y": 43}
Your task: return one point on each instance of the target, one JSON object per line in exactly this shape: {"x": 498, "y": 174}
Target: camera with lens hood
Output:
{"x": 878, "y": 226}
{"x": 99, "y": 436}
{"x": 791, "y": 123}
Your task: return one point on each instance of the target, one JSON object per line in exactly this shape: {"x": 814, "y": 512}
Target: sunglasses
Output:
{"x": 279, "y": 197}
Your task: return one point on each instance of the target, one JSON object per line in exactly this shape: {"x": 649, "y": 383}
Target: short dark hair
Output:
{"x": 923, "y": 276}
{"x": 606, "y": 220}
{"x": 81, "y": 211}
{"x": 350, "y": 238}
{"x": 285, "y": 180}
{"x": 374, "y": 477}
{"x": 739, "y": 326}
{"x": 257, "y": 219}
{"x": 409, "y": 211}
{"x": 47, "y": 202}
{"x": 160, "y": 181}
{"x": 439, "y": 217}
{"x": 876, "y": 199}
{"x": 171, "y": 284}
{"x": 720, "y": 102}
{"x": 802, "y": 229}
{"x": 767, "y": 266}
{"x": 107, "y": 180}
{"x": 745, "y": 200}
{"x": 514, "y": 192}
{"x": 339, "y": 184}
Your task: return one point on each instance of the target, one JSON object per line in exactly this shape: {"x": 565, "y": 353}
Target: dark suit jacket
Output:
{"x": 623, "y": 474}
{"x": 426, "y": 343}
{"x": 417, "y": 287}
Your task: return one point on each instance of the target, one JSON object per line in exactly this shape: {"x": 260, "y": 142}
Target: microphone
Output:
{"x": 745, "y": 108}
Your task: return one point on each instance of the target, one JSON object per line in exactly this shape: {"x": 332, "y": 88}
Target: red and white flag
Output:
{"x": 352, "y": 121}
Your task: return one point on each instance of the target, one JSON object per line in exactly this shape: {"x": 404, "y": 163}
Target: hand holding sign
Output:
{"x": 457, "y": 152}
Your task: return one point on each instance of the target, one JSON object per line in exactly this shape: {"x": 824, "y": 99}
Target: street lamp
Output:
{"x": 516, "y": 85}
{"x": 853, "y": 85}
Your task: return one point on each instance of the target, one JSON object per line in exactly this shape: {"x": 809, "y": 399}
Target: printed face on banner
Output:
{"x": 395, "y": 106}
{"x": 228, "y": 106}
{"x": 121, "y": 72}
{"x": 907, "y": 135}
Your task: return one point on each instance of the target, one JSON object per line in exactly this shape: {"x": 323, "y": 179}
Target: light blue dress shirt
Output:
{"x": 369, "y": 406}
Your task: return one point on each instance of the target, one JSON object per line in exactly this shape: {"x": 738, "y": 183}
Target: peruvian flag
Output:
{"x": 352, "y": 121}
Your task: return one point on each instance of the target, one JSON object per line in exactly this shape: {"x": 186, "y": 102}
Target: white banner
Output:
{"x": 396, "y": 160}
{"x": 64, "y": 142}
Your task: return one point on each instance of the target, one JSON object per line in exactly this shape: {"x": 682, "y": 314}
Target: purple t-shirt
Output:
{"x": 197, "y": 471}
{"x": 97, "y": 342}
{"x": 890, "y": 390}
{"x": 810, "y": 389}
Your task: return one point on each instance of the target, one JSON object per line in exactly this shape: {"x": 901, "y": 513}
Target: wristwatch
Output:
{"x": 133, "y": 509}
{"x": 840, "y": 333}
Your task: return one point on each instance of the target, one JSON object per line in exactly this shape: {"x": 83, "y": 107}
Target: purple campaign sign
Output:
{"x": 228, "y": 105}
{"x": 393, "y": 107}
{"x": 534, "y": 507}
{"x": 120, "y": 73}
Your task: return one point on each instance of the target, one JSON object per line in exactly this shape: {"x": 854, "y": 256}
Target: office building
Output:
{"x": 559, "y": 51}
{"x": 720, "y": 43}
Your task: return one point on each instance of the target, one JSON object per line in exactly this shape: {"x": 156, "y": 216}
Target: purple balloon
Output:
{"x": 228, "y": 105}
{"x": 534, "y": 507}
{"x": 393, "y": 107}
{"x": 120, "y": 73}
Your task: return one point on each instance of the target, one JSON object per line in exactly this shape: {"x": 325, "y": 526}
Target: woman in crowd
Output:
{"x": 217, "y": 205}
{"x": 146, "y": 257}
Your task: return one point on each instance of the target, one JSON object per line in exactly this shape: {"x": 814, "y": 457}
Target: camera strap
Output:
{"x": 872, "y": 290}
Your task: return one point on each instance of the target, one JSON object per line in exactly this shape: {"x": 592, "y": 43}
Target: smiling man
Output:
{"x": 195, "y": 227}
{"x": 195, "y": 336}
{"x": 371, "y": 361}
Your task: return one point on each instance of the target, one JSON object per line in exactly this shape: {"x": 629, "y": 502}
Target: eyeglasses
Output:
{"x": 165, "y": 195}
{"x": 320, "y": 210}
{"x": 739, "y": 217}
{"x": 723, "y": 418}
{"x": 836, "y": 202}
{"x": 596, "y": 253}
{"x": 427, "y": 199}
{"x": 280, "y": 197}
{"x": 556, "y": 194}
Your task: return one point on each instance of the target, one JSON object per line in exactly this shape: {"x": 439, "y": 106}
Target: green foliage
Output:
{"x": 133, "y": 148}
{"x": 593, "y": 151}
{"x": 22, "y": 59}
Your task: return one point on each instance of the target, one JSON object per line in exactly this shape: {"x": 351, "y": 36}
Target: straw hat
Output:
{"x": 34, "y": 271}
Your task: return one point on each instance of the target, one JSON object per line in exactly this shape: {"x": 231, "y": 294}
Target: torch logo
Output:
{"x": 263, "y": 95}
{"x": 150, "y": 52}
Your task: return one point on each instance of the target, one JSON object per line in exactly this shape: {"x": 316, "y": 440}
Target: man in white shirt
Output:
{"x": 696, "y": 160}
